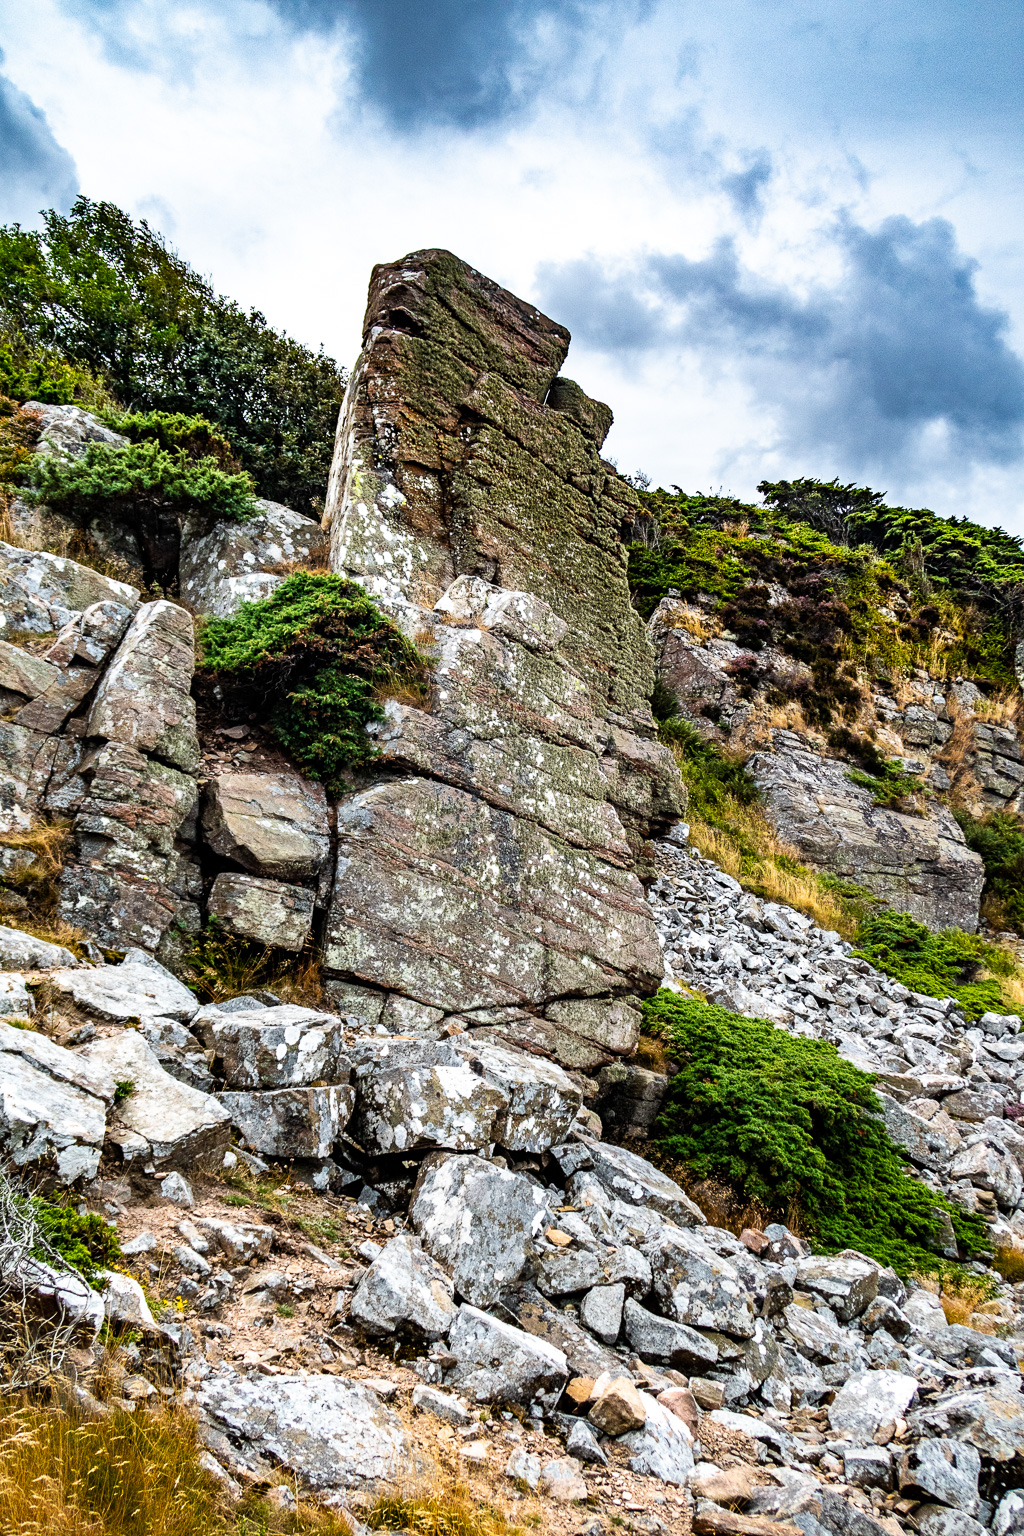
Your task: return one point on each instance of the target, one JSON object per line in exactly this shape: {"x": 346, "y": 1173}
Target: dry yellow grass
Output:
{"x": 959, "y": 1293}
{"x": 800, "y": 888}
{"x": 48, "y": 842}
{"x": 431, "y": 1510}
{"x": 127, "y": 1474}
{"x": 702, "y": 626}
{"x": 1004, "y": 707}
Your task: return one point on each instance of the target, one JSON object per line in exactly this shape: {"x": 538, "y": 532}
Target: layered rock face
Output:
{"x": 497, "y": 878}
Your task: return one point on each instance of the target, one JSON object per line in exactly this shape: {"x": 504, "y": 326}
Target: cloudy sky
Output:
{"x": 787, "y": 237}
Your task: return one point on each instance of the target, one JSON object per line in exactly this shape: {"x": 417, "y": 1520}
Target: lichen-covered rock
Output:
{"x": 696, "y": 1286}
{"x": 501, "y": 1364}
{"x": 144, "y": 699}
{"x": 404, "y": 1288}
{"x": 414, "y": 1094}
{"x": 239, "y": 563}
{"x": 479, "y": 1222}
{"x": 663, "y": 1448}
{"x": 989, "y": 1418}
{"x": 41, "y": 593}
{"x": 660, "y": 1340}
{"x": 271, "y": 824}
{"x": 870, "y": 1399}
{"x": 536, "y": 1315}
{"x": 631, "y": 1178}
{"x": 22, "y": 673}
{"x": 160, "y": 1118}
{"x": 330, "y": 1432}
{"x": 282, "y": 1047}
{"x": 53, "y": 1105}
{"x": 92, "y": 635}
{"x": 442, "y": 897}
{"x": 291, "y": 1122}
{"x": 917, "y": 864}
{"x": 542, "y": 1101}
{"x": 267, "y": 911}
{"x": 848, "y": 1283}
{"x": 943, "y": 1470}
{"x": 26, "y": 769}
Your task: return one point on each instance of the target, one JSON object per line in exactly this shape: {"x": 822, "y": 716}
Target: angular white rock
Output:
{"x": 501, "y": 1364}
{"x": 869, "y": 1399}
{"x": 161, "y": 1117}
{"x": 404, "y": 1287}
{"x": 119, "y": 993}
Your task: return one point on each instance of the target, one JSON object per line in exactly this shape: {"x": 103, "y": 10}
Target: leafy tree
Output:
{"x": 106, "y": 293}
{"x": 824, "y": 504}
{"x": 786, "y": 1122}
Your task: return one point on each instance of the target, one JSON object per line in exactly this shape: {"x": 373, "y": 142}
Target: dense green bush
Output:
{"x": 175, "y": 432}
{"x": 786, "y": 1122}
{"x": 137, "y": 478}
{"x": 999, "y": 839}
{"x": 313, "y": 658}
{"x": 715, "y": 781}
{"x": 88, "y": 1243}
{"x": 936, "y": 964}
{"x": 38, "y": 373}
{"x": 107, "y": 294}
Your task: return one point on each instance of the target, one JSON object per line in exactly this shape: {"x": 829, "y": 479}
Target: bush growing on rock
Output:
{"x": 999, "y": 839}
{"x": 786, "y": 1122}
{"x": 937, "y": 964}
{"x": 314, "y": 657}
{"x": 141, "y": 476}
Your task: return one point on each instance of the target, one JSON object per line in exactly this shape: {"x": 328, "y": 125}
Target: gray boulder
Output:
{"x": 945, "y": 1471}
{"x": 989, "y": 1418}
{"x": 989, "y": 1166}
{"x": 501, "y": 1364}
{"x": 601, "y": 1311}
{"x": 542, "y": 1101}
{"x": 940, "y": 1520}
{"x": 819, "y": 1338}
{"x": 847, "y": 1283}
{"x": 696, "y": 1286}
{"x": 91, "y": 636}
{"x": 404, "y": 1288}
{"x": 869, "y": 1399}
{"x": 659, "y": 1340}
{"x": 120, "y": 993}
{"x": 633, "y": 1179}
{"x": 161, "y": 1118}
{"x": 281, "y": 1047}
{"x": 266, "y": 911}
{"x": 479, "y": 1222}
{"x": 291, "y": 1122}
{"x": 144, "y": 699}
{"x": 417, "y": 1094}
{"x": 24, "y": 952}
{"x": 273, "y": 824}
{"x": 327, "y": 1431}
{"x": 241, "y": 562}
{"x": 536, "y": 1315}
{"x": 1009, "y": 1516}
{"x": 40, "y": 593}
{"x": 663, "y": 1448}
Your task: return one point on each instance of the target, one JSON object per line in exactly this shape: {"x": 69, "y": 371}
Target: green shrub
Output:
{"x": 999, "y": 839}
{"x": 88, "y": 1243}
{"x": 786, "y": 1122}
{"x": 715, "y": 781}
{"x": 891, "y": 787}
{"x": 37, "y": 373}
{"x": 106, "y": 293}
{"x": 175, "y": 432}
{"x": 936, "y": 964}
{"x": 139, "y": 477}
{"x": 313, "y": 657}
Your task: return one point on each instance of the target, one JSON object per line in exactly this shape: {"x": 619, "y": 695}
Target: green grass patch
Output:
{"x": 786, "y": 1123}
{"x": 945, "y": 964}
{"x": 87, "y": 1243}
{"x": 314, "y": 658}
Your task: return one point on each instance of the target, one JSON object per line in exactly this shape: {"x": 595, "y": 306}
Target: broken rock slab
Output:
{"x": 631, "y": 1178}
{"x": 40, "y": 593}
{"x": 53, "y": 1105}
{"x": 479, "y": 1222}
{"x": 291, "y": 1122}
{"x": 696, "y": 1286}
{"x": 501, "y": 1364}
{"x": 869, "y": 1399}
{"x": 24, "y": 952}
{"x": 663, "y": 1448}
{"x": 161, "y": 1118}
{"x": 119, "y": 993}
{"x": 945, "y": 1471}
{"x": 326, "y": 1430}
{"x": 848, "y": 1283}
{"x": 144, "y": 699}
{"x": 542, "y": 1100}
{"x": 267, "y": 911}
{"x": 989, "y": 1418}
{"x": 404, "y": 1288}
{"x": 415, "y": 1094}
{"x": 239, "y": 563}
{"x": 536, "y": 1315}
{"x": 273, "y": 824}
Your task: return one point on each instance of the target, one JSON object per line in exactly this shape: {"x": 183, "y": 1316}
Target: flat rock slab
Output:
{"x": 330, "y": 1432}
{"x": 267, "y": 911}
{"x": 161, "y": 1117}
{"x": 118, "y": 993}
{"x": 272, "y": 824}
{"x": 24, "y": 952}
{"x": 536, "y": 1315}
{"x": 415, "y": 1094}
{"x": 870, "y": 1399}
{"x": 543, "y": 1101}
{"x": 444, "y": 898}
{"x": 479, "y": 1222}
{"x": 633, "y": 1179}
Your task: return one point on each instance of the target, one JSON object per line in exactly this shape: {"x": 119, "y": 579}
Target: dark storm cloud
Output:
{"x": 901, "y": 344}
{"x": 35, "y": 172}
{"x": 459, "y": 63}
